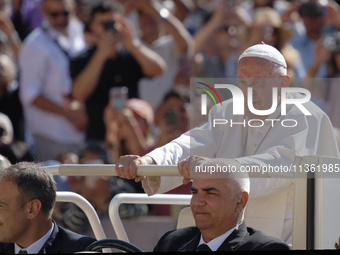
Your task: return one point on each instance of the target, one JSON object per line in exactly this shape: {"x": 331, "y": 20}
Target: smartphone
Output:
{"x": 171, "y": 117}
{"x": 118, "y": 97}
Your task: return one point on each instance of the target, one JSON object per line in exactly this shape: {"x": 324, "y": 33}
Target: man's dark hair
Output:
{"x": 311, "y": 9}
{"x": 104, "y": 7}
{"x": 173, "y": 93}
{"x": 33, "y": 183}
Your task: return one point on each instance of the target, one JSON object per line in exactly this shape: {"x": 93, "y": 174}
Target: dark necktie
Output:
{"x": 203, "y": 247}
{"x": 22, "y": 251}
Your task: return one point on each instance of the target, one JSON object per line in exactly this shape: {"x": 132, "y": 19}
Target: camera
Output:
{"x": 171, "y": 117}
{"x": 109, "y": 25}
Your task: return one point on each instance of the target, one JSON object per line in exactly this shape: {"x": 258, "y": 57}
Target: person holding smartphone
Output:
{"x": 128, "y": 130}
{"x": 172, "y": 117}
{"x": 116, "y": 59}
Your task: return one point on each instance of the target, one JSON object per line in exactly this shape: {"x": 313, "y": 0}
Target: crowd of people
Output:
{"x": 60, "y": 60}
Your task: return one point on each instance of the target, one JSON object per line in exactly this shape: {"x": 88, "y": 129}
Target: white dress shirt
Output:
{"x": 216, "y": 242}
{"x": 44, "y": 70}
{"x": 35, "y": 247}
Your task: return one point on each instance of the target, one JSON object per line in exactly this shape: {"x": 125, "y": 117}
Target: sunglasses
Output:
{"x": 56, "y": 14}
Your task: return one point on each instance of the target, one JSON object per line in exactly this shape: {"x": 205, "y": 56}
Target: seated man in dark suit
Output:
{"x": 27, "y": 199}
{"x": 218, "y": 206}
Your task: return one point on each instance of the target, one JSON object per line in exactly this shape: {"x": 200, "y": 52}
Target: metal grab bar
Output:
{"x": 142, "y": 170}
{"x": 136, "y": 198}
{"x": 109, "y": 170}
{"x": 82, "y": 203}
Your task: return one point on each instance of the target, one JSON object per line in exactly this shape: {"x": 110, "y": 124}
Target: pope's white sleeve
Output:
{"x": 200, "y": 141}
{"x": 169, "y": 154}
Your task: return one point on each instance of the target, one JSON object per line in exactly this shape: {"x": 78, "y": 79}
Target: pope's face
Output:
{"x": 213, "y": 207}
{"x": 259, "y": 74}
{"x": 13, "y": 220}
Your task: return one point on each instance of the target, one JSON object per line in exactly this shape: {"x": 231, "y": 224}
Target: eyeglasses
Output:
{"x": 65, "y": 14}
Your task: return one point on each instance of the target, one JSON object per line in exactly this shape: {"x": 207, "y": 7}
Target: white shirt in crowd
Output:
{"x": 44, "y": 70}
{"x": 154, "y": 89}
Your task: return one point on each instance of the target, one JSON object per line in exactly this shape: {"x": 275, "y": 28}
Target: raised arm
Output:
{"x": 151, "y": 63}
{"x": 86, "y": 81}
{"x": 172, "y": 25}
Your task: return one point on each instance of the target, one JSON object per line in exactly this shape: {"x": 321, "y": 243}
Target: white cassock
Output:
{"x": 270, "y": 203}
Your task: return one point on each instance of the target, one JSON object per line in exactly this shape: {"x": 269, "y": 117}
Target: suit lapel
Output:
{"x": 235, "y": 239}
{"x": 53, "y": 244}
{"x": 6, "y": 248}
{"x": 192, "y": 244}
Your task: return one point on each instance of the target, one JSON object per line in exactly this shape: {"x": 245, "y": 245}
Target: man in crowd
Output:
{"x": 56, "y": 122}
{"x": 117, "y": 59}
{"x": 27, "y": 199}
{"x": 263, "y": 68}
{"x": 218, "y": 206}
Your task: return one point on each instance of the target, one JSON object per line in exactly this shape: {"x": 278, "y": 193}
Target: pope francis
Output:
{"x": 269, "y": 143}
